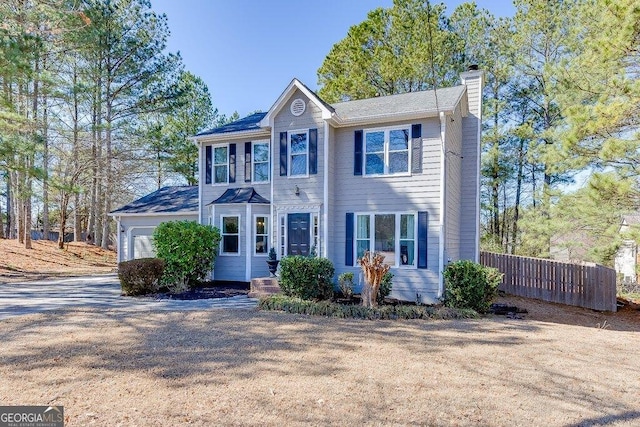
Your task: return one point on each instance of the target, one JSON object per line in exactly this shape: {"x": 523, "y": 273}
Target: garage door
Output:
{"x": 143, "y": 247}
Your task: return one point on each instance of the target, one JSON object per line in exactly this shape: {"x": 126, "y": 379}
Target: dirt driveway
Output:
{"x": 241, "y": 367}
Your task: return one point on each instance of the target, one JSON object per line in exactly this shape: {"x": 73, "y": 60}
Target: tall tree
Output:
{"x": 405, "y": 48}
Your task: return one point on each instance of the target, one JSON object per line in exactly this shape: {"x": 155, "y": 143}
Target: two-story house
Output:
{"x": 394, "y": 174}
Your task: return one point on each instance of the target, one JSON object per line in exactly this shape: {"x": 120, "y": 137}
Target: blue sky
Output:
{"x": 247, "y": 51}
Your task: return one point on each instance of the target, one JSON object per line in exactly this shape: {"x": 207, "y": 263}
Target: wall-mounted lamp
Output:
{"x": 296, "y": 191}
{"x": 121, "y": 229}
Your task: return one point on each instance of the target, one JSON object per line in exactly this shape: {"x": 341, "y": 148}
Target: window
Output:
{"x": 261, "y": 231}
{"x": 230, "y": 234}
{"x": 392, "y": 235}
{"x": 386, "y": 151}
{"x": 299, "y": 153}
{"x": 221, "y": 165}
{"x": 260, "y": 160}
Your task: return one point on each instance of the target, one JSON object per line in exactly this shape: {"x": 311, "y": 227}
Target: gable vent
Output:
{"x": 297, "y": 107}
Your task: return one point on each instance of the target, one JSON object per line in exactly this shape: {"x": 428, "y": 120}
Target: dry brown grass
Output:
{"x": 264, "y": 368}
{"x": 46, "y": 259}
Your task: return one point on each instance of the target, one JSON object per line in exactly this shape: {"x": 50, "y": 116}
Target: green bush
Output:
{"x": 345, "y": 283}
{"x": 188, "y": 250}
{"x": 140, "y": 276}
{"x": 385, "y": 287}
{"x": 331, "y": 309}
{"x": 306, "y": 277}
{"x": 470, "y": 285}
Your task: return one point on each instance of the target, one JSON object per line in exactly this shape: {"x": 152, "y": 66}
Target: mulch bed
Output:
{"x": 207, "y": 292}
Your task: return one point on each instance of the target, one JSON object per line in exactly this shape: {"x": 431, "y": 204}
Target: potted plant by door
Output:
{"x": 272, "y": 262}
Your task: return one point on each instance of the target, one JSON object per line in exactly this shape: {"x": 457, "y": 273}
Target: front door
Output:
{"x": 298, "y": 234}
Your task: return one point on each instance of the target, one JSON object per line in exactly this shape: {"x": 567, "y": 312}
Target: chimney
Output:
{"x": 470, "y": 194}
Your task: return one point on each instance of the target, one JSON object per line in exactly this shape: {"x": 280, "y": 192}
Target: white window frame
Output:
{"x": 372, "y": 236}
{"x": 387, "y": 151}
{"x": 290, "y": 153}
{"x": 253, "y": 162}
{"x": 223, "y": 234}
{"x": 267, "y": 220}
{"x": 214, "y": 164}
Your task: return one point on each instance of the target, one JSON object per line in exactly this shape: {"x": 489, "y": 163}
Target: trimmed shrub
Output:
{"x": 140, "y": 276}
{"x": 385, "y": 287}
{"x": 470, "y": 285}
{"x": 330, "y": 309}
{"x": 188, "y": 250}
{"x": 307, "y": 278}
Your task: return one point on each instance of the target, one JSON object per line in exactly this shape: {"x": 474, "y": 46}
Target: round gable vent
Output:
{"x": 297, "y": 107}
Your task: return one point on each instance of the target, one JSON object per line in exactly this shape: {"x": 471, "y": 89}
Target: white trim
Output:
{"x": 397, "y": 264}
{"x": 272, "y": 153}
{"x": 221, "y": 252}
{"x": 213, "y": 164}
{"x": 290, "y": 153}
{"x": 254, "y": 234}
{"x": 325, "y": 197}
{"x": 184, "y": 213}
{"x": 441, "y": 226}
{"x": 118, "y": 252}
{"x": 201, "y": 174}
{"x": 226, "y": 136}
{"x": 130, "y": 236}
{"x": 253, "y": 175}
{"x": 386, "y": 150}
{"x": 283, "y": 212}
{"x": 268, "y": 119}
{"x": 248, "y": 251}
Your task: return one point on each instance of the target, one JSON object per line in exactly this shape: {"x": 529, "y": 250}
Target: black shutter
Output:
{"x": 247, "y": 162}
{"x": 232, "y": 162}
{"x": 208, "y": 164}
{"x": 348, "y": 241}
{"x": 283, "y": 154}
{"x": 313, "y": 151}
{"x": 357, "y": 153}
{"x": 416, "y": 148}
{"x": 422, "y": 239}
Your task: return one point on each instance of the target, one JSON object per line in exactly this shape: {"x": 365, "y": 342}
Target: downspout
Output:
{"x": 443, "y": 199}
{"x": 325, "y": 212}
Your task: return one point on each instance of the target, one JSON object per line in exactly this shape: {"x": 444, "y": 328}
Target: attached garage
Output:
{"x": 137, "y": 220}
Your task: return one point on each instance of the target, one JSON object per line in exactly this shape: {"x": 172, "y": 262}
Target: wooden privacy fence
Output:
{"x": 591, "y": 286}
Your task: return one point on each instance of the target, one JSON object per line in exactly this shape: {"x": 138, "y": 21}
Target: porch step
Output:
{"x": 263, "y": 286}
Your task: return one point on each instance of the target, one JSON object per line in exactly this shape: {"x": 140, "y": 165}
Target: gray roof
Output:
{"x": 421, "y": 102}
{"x": 251, "y": 122}
{"x": 240, "y": 195}
{"x": 403, "y": 103}
{"x": 179, "y": 199}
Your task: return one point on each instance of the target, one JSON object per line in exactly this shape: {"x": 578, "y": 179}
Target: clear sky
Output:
{"x": 247, "y": 51}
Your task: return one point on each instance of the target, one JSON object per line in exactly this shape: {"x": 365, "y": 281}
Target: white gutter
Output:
{"x": 249, "y": 252}
{"x": 478, "y": 154}
{"x": 443, "y": 155}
